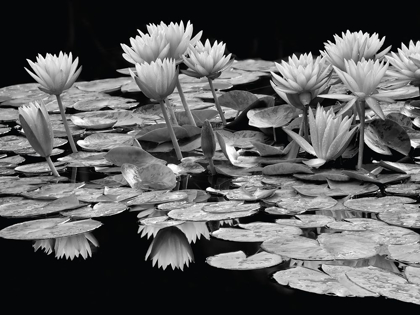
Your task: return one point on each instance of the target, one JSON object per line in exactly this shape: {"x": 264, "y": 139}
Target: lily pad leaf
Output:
{"x": 157, "y": 197}
{"x": 307, "y": 221}
{"x": 377, "y": 204}
{"x": 150, "y": 177}
{"x": 131, "y": 155}
{"x": 286, "y": 168}
{"x": 237, "y": 99}
{"x": 105, "y": 141}
{"x": 273, "y": 117}
{"x": 239, "y": 261}
{"x": 100, "y": 209}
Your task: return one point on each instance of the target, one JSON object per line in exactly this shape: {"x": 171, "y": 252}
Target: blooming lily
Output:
{"x": 157, "y": 80}
{"x": 170, "y": 247}
{"x": 208, "y": 61}
{"x": 69, "y": 246}
{"x": 38, "y": 130}
{"x": 330, "y": 136}
{"x": 56, "y": 74}
{"x": 353, "y": 46}
{"x": 301, "y": 80}
{"x": 407, "y": 64}
{"x": 362, "y": 79}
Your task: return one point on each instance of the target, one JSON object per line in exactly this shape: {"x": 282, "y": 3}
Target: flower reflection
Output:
{"x": 170, "y": 247}
{"x": 68, "y": 246}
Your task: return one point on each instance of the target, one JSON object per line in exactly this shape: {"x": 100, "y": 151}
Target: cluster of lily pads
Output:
{"x": 340, "y": 230}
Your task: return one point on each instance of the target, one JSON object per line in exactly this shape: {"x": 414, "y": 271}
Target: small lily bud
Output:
{"x": 208, "y": 140}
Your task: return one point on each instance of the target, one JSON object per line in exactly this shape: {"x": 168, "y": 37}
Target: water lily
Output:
{"x": 56, "y": 74}
{"x": 208, "y": 61}
{"x": 170, "y": 247}
{"x": 157, "y": 80}
{"x": 353, "y": 46}
{"x": 301, "y": 80}
{"x": 38, "y": 130}
{"x": 406, "y": 63}
{"x": 330, "y": 136}
{"x": 362, "y": 79}
{"x": 68, "y": 246}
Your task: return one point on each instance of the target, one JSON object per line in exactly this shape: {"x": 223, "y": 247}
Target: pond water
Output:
{"x": 117, "y": 276}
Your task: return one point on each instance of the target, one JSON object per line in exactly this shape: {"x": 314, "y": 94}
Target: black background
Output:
{"x": 94, "y": 30}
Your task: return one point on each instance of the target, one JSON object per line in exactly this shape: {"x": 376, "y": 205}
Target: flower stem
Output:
{"x": 211, "y": 166}
{"x": 66, "y": 126}
{"x": 171, "y": 112}
{"x": 216, "y": 102}
{"x": 184, "y": 103}
{"x": 361, "y": 106}
{"x": 305, "y": 123}
{"x": 171, "y": 131}
{"x": 52, "y": 167}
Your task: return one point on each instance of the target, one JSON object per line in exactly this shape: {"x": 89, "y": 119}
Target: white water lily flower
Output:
{"x": 68, "y": 246}
{"x": 330, "y": 135}
{"x": 407, "y": 64}
{"x": 206, "y": 60}
{"x": 362, "y": 79}
{"x": 158, "y": 79}
{"x": 37, "y": 126}
{"x": 194, "y": 230}
{"x": 353, "y": 46}
{"x": 178, "y": 37}
{"x": 170, "y": 247}
{"x": 301, "y": 80}
{"x": 55, "y": 73}
{"x": 146, "y": 48}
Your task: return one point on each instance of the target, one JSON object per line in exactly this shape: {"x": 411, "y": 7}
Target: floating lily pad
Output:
{"x": 93, "y": 122}
{"x": 54, "y": 191}
{"x": 315, "y": 281}
{"x": 301, "y": 203}
{"x": 157, "y": 197}
{"x": 239, "y": 261}
{"x": 385, "y": 283}
{"x": 409, "y": 189}
{"x": 131, "y": 155}
{"x": 101, "y": 209}
{"x": 104, "y": 141}
{"x": 48, "y": 228}
{"x": 248, "y": 194}
{"x": 355, "y": 224}
{"x": 242, "y": 138}
{"x": 229, "y": 206}
{"x": 286, "y": 168}
{"x": 272, "y": 117}
{"x": 40, "y": 167}
{"x": 405, "y": 215}
{"x": 377, "y": 204}
{"x": 152, "y": 176}
{"x": 124, "y": 117}
{"x": 103, "y": 85}
{"x": 388, "y": 235}
{"x": 307, "y": 221}
{"x": 237, "y": 99}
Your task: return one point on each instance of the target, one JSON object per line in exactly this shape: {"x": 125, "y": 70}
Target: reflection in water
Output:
{"x": 69, "y": 246}
{"x": 171, "y": 245}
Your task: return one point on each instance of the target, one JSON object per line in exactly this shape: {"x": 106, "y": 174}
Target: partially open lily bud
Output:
{"x": 208, "y": 140}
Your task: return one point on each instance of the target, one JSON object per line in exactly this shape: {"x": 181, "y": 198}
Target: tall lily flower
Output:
{"x": 362, "y": 79}
{"x": 170, "y": 247}
{"x": 330, "y": 136}
{"x": 69, "y": 246}
{"x": 38, "y": 130}
{"x": 157, "y": 81}
{"x": 301, "y": 80}
{"x": 353, "y": 46}
{"x": 208, "y": 61}
{"x": 407, "y": 64}
{"x": 56, "y": 74}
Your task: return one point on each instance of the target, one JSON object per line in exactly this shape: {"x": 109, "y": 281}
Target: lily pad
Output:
{"x": 237, "y": 99}
{"x": 301, "y": 203}
{"x": 48, "y": 228}
{"x": 405, "y": 215}
{"x": 157, "y": 197}
{"x": 100, "y": 209}
{"x": 286, "y": 168}
{"x": 93, "y": 122}
{"x": 131, "y": 155}
{"x": 272, "y": 117}
{"x": 239, "y": 261}
{"x": 150, "y": 177}
{"x": 54, "y": 191}
{"x": 105, "y": 141}
{"x": 307, "y": 221}
{"x": 377, "y": 204}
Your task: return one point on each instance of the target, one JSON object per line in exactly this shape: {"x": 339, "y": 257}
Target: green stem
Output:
{"x": 52, "y": 167}
{"x": 171, "y": 131}
{"x": 305, "y": 123}
{"x": 184, "y": 103}
{"x": 171, "y": 112}
{"x": 361, "y": 106}
{"x": 66, "y": 126}
{"x": 216, "y": 102}
{"x": 211, "y": 166}
{"x": 274, "y": 135}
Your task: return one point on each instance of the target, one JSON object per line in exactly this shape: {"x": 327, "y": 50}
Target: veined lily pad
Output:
{"x": 257, "y": 232}
{"x": 408, "y": 254}
{"x": 405, "y": 215}
{"x": 355, "y": 224}
{"x": 409, "y": 189}
{"x": 40, "y": 167}
{"x": 152, "y": 176}
{"x": 101, "y": 209}
{"x": 54, "y": 191}
{"x": 412, "y": 274}
{"x": 229, "y": 206}
{"x": 239, "y": 261}
{"x": 238, "y": 100}
{"x": 307, "y": 221}
{"x": 272, "y": 117}
{"x": 93, "y": 122}
{"x": 131, "y": 155}
{"x": 48, "y": 228}
{"x": 315, "y": 281}
{"x": 385, "y": 283}
{"x": 105, "y": 141}
{"x": 388, "y": 235}
{"x": 377, "y": 205}
{"x": 195, "y": 213}
{"x": 8, "y": 114}
{"x": 157, "y": 197}
{"x": 300, "y": 203}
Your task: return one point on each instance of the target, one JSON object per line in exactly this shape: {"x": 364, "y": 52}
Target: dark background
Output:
{"x": 94, "y": 30}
